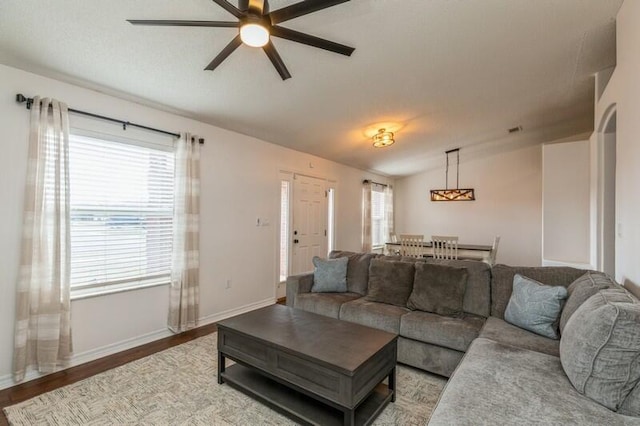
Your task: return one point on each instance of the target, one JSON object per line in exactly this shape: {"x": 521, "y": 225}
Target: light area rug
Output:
{"x": 178, "y": 386}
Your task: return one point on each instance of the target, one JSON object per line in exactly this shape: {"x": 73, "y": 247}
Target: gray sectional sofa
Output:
{"x": 499, "y": 374}
{"x": 427, "y": 341}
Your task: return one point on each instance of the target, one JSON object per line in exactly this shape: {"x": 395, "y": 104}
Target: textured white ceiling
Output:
{"x": 451, "y": 73}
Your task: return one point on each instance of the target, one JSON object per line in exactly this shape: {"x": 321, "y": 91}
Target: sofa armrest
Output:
{"x": 297, "y": 284}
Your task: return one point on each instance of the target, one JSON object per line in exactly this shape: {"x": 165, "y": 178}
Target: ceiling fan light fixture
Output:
{"x": 254, "y": 35}
{"x": 383, "y": 139}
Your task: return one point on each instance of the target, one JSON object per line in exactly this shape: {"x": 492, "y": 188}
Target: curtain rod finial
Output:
{"x": 20, "y": 98}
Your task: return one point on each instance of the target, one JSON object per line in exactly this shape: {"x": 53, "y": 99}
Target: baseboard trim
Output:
{"x": 6, "y": 381}
{"x": 209, "y": 319}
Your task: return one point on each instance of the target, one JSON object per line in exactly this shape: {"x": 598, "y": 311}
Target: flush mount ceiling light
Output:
{"x": 456, "y": 194}
{"x": 383, "y": 139}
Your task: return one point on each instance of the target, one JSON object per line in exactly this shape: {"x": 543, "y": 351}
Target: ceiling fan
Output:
{"x": 257, "y": 24}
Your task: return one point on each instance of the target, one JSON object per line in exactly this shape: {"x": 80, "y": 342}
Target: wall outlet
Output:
{"x": 228, "y": 284}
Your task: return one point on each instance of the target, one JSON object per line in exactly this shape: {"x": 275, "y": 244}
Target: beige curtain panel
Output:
{"x": 184, "y": 299}
{"x": 43, "y": 316}
{"x": 366, "y": 217}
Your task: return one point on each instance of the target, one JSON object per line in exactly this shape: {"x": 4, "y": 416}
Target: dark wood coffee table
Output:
{"x": 312, "y": 368}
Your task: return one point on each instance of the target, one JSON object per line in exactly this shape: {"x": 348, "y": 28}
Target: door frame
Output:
{"x": 601, "y": 140}
{"x": 330, "y": 182}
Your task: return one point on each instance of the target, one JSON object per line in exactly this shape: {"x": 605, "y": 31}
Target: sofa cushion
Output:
{"x": 425, "y": 356}
{"x": 535, "y": 307}
{"x": 631, "y": 404}
{"x": 477, "y": 296}
{"x": 580, "y": 290}
{"x": 373, "y": 314}
{"x": 451, "y": 332}
{"x": 327, "y": 304}
{"x": 329, "y": 275}
{"x": 502, "y": 281}
{"x": 357, "y": 269}
{"x": 390, "y": 282}
{"x": 438, "y": 289}
{"x": 498, "y": 384}
{"x": 600, "y": 347}
{"x": 502, "y": 332}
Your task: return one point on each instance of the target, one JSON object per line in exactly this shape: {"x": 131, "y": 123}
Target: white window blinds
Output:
{"x": 121, "y": 215}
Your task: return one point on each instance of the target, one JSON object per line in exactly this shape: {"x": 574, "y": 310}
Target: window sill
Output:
{"x": 87, "y": 293}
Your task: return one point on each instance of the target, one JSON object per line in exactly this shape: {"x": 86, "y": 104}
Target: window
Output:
{"x": 285, "y": 186}
{"x": 377, "y": 217}
{"x": 121, "y": 215}
{"x": 331, "y": 222}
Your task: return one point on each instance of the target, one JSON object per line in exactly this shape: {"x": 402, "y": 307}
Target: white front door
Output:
{"x": 309, "y": 232}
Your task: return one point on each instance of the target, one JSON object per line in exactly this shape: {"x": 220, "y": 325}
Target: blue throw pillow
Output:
{"x": 330, "y": 275}
{"x": 535, "y": 307}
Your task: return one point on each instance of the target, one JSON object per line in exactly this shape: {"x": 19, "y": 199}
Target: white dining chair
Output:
{"x": 444, "y": 247}
{"x": 491, "y": 260}
{"x": 411, "y": 245}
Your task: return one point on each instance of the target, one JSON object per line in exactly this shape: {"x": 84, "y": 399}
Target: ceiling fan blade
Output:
{"x": 302, "y": 8}
{"x": 228, "y": 50}
{"x": 229, "y": 8}
{"x": 276, "y": 60}
{"x": 217, "y": 24}
{"x": 310, "y": 40}
{"x": 243, "y": 5}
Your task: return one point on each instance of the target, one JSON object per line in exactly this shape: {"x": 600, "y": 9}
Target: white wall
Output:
{"x": 239, "y": 184}
{"x": 623, "y": 91}
{"x": 508, "y": 188}
{"x": 566, "y": 203}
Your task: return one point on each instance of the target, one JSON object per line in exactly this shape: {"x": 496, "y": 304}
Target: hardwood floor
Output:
{"x": 57, "y": 380}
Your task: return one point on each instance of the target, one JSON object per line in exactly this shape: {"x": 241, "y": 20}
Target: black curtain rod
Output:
{"x": 20, "y": 98}
{"x": 375, "y": 183}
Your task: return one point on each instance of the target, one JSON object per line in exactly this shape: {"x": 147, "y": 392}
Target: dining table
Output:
{"x": 465, "y": 251}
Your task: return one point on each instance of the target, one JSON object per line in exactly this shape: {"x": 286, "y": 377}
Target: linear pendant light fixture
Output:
{"x": 453, "y": 194}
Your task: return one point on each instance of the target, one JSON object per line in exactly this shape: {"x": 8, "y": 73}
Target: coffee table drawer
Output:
{"x": 243, "y": 349}
{"x": 295, "y": 370}
{"x": 307, "y": 375}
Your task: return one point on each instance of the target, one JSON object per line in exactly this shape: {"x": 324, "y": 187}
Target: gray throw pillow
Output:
{"x": 390, "y": 282}
{"x": 329, "y": 275}
{"x": 438, "y": 289}
{"x": 582, "y": 289}
{"x": 357, "y": 269}
{"x": 600, "y": 349}
{"x": 535, "y": 306}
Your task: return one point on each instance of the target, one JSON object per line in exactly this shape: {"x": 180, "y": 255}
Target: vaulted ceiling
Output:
{"x": 440, "y": 73}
